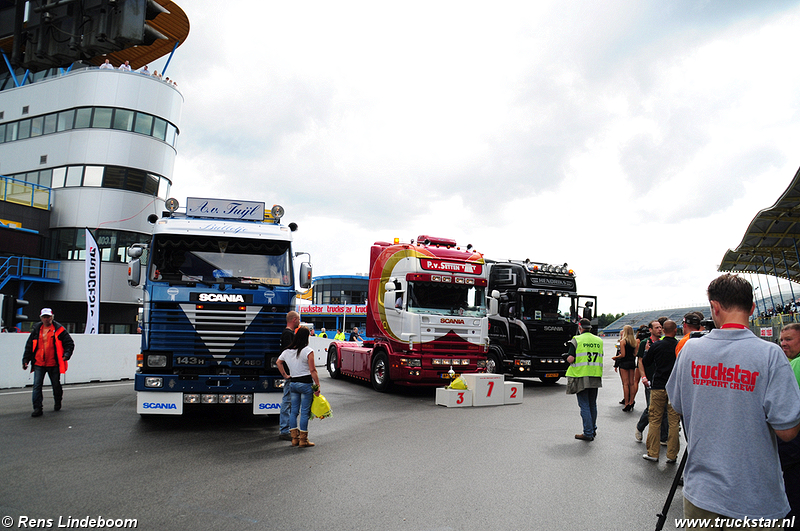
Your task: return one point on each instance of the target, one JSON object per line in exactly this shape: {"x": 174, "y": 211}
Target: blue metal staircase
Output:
{"x": 29, "y": 270}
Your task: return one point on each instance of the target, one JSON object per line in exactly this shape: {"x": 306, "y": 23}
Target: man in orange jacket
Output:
{"x": 47, "y": 350}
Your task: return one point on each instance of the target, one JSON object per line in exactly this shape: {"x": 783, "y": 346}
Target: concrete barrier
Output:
{"x": 97, "y": 358}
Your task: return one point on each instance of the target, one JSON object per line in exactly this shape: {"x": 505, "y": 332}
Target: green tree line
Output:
{"x": 605, "y": 319}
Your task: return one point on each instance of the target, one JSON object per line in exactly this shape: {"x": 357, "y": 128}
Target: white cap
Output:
{"x": 46, "y": 311}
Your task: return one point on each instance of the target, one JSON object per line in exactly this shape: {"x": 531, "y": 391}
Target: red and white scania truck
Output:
{"x": 426, "y": 315}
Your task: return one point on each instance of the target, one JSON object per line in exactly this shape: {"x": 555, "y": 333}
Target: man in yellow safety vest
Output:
{"x": 585, "y": 376}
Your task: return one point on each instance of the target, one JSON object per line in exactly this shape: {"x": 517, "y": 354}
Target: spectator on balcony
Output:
{"x": 125, "y": 67}
{"x": 107, "y": 65}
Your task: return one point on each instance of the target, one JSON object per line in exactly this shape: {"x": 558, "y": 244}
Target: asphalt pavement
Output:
{"x": 389, "y": 461}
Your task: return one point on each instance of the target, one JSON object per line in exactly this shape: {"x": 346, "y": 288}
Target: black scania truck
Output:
{"x": 538, "y": 311}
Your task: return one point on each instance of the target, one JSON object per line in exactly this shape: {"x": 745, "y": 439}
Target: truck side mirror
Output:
{"x": 305, "y": 275}
{"x": 134, "y": 272}
{"x": 135, "y": 251}
{"x": 492, "y": 306}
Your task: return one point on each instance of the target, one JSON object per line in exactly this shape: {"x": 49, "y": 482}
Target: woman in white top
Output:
{"x": 303, "y": 384}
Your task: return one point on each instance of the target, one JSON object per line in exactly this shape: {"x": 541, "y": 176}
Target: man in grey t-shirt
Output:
{"x": 736, "y": 392}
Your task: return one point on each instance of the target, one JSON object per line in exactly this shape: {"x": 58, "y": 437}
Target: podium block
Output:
{"x": 513, "y": 393}
{"x": 487, "y": 389}
{"x": 453, "y": 397}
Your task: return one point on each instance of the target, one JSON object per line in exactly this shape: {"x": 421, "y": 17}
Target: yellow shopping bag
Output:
{"x": 458, "y": 383}
{"x": 320, "y": 408}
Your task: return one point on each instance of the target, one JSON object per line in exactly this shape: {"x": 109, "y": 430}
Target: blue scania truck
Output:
{"x": 218, "y": 281}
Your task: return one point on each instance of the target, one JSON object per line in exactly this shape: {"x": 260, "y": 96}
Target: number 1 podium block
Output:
{"x": 513, "y": 393}
{"x": 453, "y": 397}
{"x": 487, "y": 389}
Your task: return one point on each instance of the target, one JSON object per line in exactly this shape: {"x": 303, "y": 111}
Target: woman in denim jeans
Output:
{"x": 303, "y": 384}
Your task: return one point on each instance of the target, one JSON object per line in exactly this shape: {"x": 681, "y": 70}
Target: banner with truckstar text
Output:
{"x": 92, "y": 284}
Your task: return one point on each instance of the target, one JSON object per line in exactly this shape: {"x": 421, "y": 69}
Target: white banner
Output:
{"x": 92, "y": 284}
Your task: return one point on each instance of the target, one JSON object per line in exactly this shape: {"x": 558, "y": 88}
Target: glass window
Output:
{"x": 37, "y": 125}
{"x": 83, "y": 118}
{"x": 65, "y": 120}
{"x": 11, "y": 131}
{"x": 63, "y": 243}
{"x": 31, "y": 177}
{"x": 50, "y": 124}
{"x": 93, "y": 176}
{"x": 46, "y": 177}
{"x": 2, "y": 133}
{"x": 123, "y": 119}
{"x": 59, "y": 174}
{"x": 151, "y": 184}
{"x": 74, "y": 174}
{"x": 79, "y": 251}
{"x": 135, "y": 180}
{"x": 160, "y": 129}
{"x": 24, "y": 129}
{"x": 170, "y": 139}
{"x": 114, "y": 177}
{"x": 144, "y": 123}
{"x": 102, "y": 117}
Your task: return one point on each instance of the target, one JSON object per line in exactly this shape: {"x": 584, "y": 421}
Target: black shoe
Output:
{"x": 57, "y": 407}
{"x": 285, "y": 436}
{"x": 37, "y": 413}
{"x": 622, "y": 401}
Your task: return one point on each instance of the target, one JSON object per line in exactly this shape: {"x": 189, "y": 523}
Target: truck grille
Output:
{"x": 217, "y": 329}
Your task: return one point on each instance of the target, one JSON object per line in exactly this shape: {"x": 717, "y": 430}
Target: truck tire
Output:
{"x": 494, "y": 361}
{"x": 549, "y": 381}
{"x": 380, "y": 372}
{"x": 334, "y": 364}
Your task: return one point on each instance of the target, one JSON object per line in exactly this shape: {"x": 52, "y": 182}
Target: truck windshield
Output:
{"x": 183, "y": 259}
{"x": 446, "y": 299}
{"x": 544, "y": 307}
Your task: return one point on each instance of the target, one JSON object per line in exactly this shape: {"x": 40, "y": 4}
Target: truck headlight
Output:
{"x": 154, "y": 381}
{"x": 156, "y": 360}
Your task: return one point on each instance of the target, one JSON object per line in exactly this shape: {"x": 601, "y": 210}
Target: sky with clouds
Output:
{"x": 633, "y": 140}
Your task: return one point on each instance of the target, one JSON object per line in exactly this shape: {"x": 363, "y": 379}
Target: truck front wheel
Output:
{"x": 494, "y": 362}
{"x": 333, "y": 362}
{"x": 380, "y": 372}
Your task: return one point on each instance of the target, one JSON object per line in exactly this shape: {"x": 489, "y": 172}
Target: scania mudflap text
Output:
{"x": 537, "y": 313}
{"x": 426, "y": 314}
{"x": 219, "y": 281}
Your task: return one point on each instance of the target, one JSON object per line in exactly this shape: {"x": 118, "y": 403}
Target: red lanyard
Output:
{"x": 733, "y": 325}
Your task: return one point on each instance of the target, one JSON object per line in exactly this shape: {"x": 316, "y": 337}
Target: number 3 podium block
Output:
{"x": 487, "y": 389}
{"x": 453, "y": 397}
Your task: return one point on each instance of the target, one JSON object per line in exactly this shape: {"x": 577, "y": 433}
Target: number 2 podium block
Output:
{"x": 513, "y": 393}
{"x": 453, "y": 397}
{"x": 487, "y": 389}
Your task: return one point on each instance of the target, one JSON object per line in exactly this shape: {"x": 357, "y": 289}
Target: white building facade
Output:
{"x": 103, "y": 141}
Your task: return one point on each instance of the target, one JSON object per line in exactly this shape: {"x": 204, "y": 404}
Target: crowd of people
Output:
{"x": 126, "y": 67}
{"x": 735, "y": 397}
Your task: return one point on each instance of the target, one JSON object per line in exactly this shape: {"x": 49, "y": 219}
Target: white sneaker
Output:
{"x": 638, "y": 436}
{"x": 647, "y": 457}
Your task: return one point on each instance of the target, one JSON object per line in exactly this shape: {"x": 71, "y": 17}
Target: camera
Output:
{"x": 708, "y": 325}
{"x": 642, "y": 333}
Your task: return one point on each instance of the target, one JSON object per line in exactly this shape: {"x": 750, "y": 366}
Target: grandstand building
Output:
{"x": 84, "y": 147}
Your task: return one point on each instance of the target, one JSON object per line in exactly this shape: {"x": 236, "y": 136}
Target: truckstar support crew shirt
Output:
{"x": 733, "y": 389}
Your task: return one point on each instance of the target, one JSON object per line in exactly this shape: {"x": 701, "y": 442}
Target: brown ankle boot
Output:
{"x": 304, "y": 440}
{"x": 295, "y": 436}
